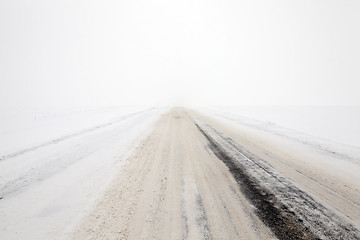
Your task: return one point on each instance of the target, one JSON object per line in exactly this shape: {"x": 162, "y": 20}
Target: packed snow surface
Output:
{"x": 55, "y": 162}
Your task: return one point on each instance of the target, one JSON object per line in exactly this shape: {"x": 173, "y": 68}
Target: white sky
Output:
{"x": 184, "y": 52}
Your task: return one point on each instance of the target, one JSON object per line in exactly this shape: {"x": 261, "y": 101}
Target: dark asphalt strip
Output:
{"x": 288, "y": 211}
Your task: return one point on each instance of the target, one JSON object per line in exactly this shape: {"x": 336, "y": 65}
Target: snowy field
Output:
{"x": 55, "y": 162}
{"x": 340, "y": 124}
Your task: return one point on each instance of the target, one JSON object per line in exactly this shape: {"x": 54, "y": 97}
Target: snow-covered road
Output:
{"x": 204, "y": 174}
{"x": 52, "y": 174}
{"x": 202, "y": 177}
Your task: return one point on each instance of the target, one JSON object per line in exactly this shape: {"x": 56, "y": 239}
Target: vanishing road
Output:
{"x": 193, "y": 178}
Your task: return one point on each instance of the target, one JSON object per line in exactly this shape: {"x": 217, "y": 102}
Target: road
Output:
{"x": 193, "y": 178}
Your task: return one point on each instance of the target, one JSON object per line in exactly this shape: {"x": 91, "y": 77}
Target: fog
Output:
{"x": 106, "y": 53}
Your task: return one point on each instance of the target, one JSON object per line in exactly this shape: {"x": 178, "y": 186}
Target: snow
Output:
{"x": 339, "y": 124}
{"x": 24, "y": 128}
{"x": 311, "y": 148}
{"x": 54, "y": 163}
